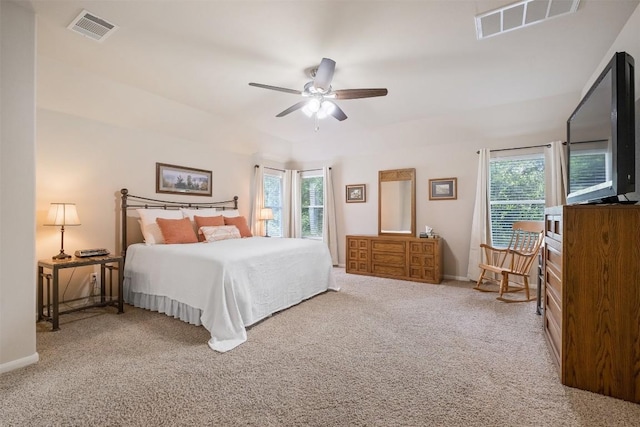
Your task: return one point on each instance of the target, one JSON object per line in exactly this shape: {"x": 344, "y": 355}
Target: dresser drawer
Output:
{"x": 554, "y": 335}
{"x": 358, "y": 243}
{"x": 553, "y": 227}
{"x": 388, "y": 270}
{"x": 357, "y": 254}
{"x": 553, "y": 283}
{"x": 553, "y": 310}
{"x": 389, "y": 246}
{"x": 388, "y": 258}
{"x": 422, "y": 273}
{"x": 553, "y": 259}
{"x": 420, "y": 260}
{"x": 424, "y": 248}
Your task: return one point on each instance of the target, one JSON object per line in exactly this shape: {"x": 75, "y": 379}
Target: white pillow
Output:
{"x": 150, "y": 229}
{"x": 190, "y": 213}
{"x": 229, "y": 213}
{"x": 220, "y": 232}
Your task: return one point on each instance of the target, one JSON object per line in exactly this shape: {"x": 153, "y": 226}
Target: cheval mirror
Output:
{"x": 397, "y": 202}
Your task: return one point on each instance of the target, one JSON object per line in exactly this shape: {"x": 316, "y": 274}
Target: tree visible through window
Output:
{"x": 312, "y": 192}
{"x": 516, "y": 194}
{"x": 273, "y": 199}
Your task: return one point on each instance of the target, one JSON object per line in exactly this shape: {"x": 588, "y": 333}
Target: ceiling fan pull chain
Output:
{"x": 317, "y": 127}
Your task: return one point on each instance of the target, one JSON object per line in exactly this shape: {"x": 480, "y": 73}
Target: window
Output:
{"x": 312, "y": 203}
{"x": 516, "y": 194}
{"x": 272, "y": 182}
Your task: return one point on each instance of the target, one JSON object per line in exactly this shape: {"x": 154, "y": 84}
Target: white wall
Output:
{"x": 627, "y": 41}
{"x": 87, "y": 162}
{"x": 445, "y": 147}
{"x": 17, "y": 179}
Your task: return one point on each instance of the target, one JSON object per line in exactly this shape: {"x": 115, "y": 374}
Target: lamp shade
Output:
{"x": 62, "y": 214}
{"x": 266, "y": 213}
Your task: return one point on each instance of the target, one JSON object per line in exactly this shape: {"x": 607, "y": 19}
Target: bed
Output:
{"x": 223, "y": 285}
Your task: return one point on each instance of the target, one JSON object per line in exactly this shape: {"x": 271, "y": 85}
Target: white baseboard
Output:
{"x": 20, "y": 363}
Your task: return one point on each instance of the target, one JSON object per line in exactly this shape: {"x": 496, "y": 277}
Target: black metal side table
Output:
{"x": 108, "y": 262}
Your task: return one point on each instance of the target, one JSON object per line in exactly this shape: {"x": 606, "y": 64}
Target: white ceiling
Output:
{"x": 200, "y": 55}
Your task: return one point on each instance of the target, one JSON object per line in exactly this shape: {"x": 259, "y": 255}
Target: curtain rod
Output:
{"x": 282, "y": 170}
{"x": 273, "y": 169}
{"x": 312, "y": 170}
{"x": 521, "y": 148}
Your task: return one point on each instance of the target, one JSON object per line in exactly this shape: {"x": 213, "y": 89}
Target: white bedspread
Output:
{"x": 234, "y": 283}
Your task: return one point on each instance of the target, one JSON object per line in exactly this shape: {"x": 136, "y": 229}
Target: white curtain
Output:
{"x": 291, "y": 214}
{"x": 329, "y": 230}
{"x": 480, "y": 226}
{"x": 555, "y": 160}
{"x": 257, "y": 226}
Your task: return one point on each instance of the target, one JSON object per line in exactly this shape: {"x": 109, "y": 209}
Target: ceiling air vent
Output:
{"x": 89, "y": 25}
{"x": 521, "y": 14}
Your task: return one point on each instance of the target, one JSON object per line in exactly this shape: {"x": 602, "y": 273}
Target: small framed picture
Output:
{"x": 356, "y": 193}
{"x": 174, "y": 179}
{"x": 443, "y": 189}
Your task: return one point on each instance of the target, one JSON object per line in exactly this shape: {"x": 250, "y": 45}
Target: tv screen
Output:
{"x": 601, "y": 137}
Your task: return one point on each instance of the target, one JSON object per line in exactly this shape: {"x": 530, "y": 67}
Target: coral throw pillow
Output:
{"x": 207, "y": 221}
{"x": 241, "y": 223}
{"x": 177, "y": 230}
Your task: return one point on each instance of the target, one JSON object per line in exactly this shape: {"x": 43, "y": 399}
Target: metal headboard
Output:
{"x": 129, "y": 201}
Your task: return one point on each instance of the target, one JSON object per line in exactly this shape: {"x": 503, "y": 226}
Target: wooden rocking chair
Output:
{"x": 514, "y": 260}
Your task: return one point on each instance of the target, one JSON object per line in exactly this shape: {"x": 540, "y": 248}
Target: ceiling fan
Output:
{"x": 320, "y": 95}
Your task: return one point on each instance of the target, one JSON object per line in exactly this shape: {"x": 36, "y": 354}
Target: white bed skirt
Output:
{"x": 165, "y": 305}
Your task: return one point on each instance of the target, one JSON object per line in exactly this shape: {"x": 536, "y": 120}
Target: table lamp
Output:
{"x": 62, "y": 214}
{"x": 266, "y": 214}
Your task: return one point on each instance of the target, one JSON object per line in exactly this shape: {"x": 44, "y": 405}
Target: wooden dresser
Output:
{"x": 396, "y": 257}
{"x": 592, "y": 297}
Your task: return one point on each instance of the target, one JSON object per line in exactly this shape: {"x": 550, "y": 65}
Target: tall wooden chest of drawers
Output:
{"x": 592, "y": 297}
{"x": 397, "y": 257}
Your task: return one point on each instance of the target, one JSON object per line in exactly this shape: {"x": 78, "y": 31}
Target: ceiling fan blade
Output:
{"x": 359, "y": 93}
{"x": 293, "y": 108}
{"x": 338, "y": 113}
{"x": 280, "y": 89}
{"x": 324, "y": 74}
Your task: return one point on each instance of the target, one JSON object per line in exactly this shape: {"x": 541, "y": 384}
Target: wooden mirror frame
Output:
{"x": 397, "y": 175}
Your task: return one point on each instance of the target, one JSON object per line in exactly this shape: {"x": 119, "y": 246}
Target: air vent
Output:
{"x": 89, "y": 25}
{"x": 521, "y": 14}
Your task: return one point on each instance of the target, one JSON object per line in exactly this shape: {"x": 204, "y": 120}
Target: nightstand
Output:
{"x": 115, "y": 266}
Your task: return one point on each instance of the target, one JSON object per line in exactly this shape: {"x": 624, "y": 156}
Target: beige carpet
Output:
{"x": 378, "y": 353}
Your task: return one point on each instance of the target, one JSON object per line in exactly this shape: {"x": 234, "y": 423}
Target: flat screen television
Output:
{"x": 601, "y": 137}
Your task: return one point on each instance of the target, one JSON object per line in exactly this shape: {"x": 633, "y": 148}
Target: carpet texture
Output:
{"x": 380, "y": 352}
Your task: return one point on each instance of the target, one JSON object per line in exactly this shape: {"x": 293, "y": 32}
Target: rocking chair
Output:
{"x": 514, "y": 260}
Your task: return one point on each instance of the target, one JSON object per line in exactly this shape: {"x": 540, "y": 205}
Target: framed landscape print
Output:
{"x": 356, "y": 193}
{"x": 443, "y": 189}
{"x": 174, "y": 179}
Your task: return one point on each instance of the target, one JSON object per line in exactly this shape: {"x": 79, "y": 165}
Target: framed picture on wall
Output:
{"x": 443, "y": 189}
{"x": 174, "y": 179}
{"x": 356, "y": 193}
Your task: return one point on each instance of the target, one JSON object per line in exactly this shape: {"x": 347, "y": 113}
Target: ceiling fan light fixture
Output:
{"x": 314, "y": 105}
{"x": 326, "y": 109}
